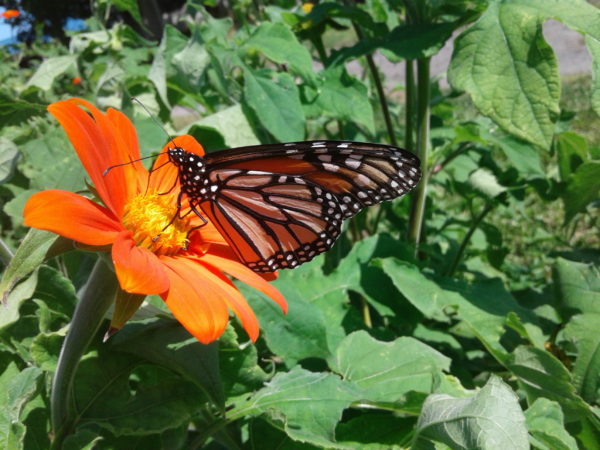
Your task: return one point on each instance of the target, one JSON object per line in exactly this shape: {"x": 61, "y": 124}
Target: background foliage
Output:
{"x": 486, "y": 336}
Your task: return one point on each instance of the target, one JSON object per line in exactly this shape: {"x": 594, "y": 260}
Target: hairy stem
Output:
{"x": 94, "y": 300}
{"x": 423, "y": 113}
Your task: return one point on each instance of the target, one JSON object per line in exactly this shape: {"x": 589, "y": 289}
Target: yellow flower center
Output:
{"x": 147, "y": 216}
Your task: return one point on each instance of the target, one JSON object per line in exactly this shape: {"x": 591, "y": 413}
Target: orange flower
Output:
{"x": 184, "y": 265}
{"x": 10, "y": 14}
{"x": 76, "y": 80}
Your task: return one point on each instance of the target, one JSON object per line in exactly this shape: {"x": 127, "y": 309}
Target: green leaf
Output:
{"x": 523, "y": 156}
{"x": 318, "y": 305}
{"x": 16, "y": 111}
{"x": 582, "y": 333}
{"x": 275, "y": 100}
{"x": 416, "y": 41}
{"x": 486, "y": 182}
{"x": 582, "y": 189}
{"x": 509, "y": 71}
{"x": 110, "y": 391}
{"x": 232, "y": 124}
{"x": 572, "y": 150}
{"x": 45, "y": 349}
{"x": 309, "y": 405}
{"x": 342, "y": 96}
{"x": 545, "y": 422}
{"x": 172, "y": 42}
{"x": 166, "y": 343}
{"x": 277, "y": 42}
{"x": 240, "y": 372}
{"x": 190, "y": 64}
{"x": 50, "y": 162}
{"x": 81, "y": 440}
{"x": 491, "y": 419}
{"x": 303, "y": 331}
{"x": 375, "y": 431}
{"x": 541, "y": 375}
{"x": 482, "y": 306}
{"x": 577, "y": 286}
{"x": 51, "y": 68}
{"x": 130, "y": 6}
{"x": 30, "y": 254}
{"x": 14, "y": 298}
{"x": 16, "y": 389}
{"x": 388, "y": 370}
{"x": 9, "y": 154}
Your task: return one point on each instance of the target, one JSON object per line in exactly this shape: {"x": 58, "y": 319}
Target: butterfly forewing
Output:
{"x": 281, "y": 205}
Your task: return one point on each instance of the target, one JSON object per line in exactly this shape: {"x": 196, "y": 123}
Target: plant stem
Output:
{"x": 366, "y": 312}
{"x": 6, "y": 254}
{"x": 423, "y": 112}
{"x": 95, "y": 298}
{"x": 463, "y": 245}
{"x": 409, "y": 102}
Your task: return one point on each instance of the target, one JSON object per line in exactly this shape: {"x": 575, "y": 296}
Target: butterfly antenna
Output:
{"x": 108, "y": 169}
{"x": 133, "y": 99}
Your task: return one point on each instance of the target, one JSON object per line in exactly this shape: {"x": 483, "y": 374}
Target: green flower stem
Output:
{"x": 463, "y": 245}
{"x": 423, "y": 113}
{"x": 6, "y": 255}
{"x": 409, "y": 104}
{"x": 94, "y": 300}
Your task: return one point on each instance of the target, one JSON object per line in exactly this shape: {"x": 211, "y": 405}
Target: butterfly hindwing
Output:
{"x": 274, "y": 221}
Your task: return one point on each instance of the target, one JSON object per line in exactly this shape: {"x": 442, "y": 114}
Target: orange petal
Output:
{"x": 164, "y": 174}
{"x": 196, "y": 298}
{"x": 238, "y": 270}
{"x": 236, "y": 302}
{"x": 72, "y": 216}
{"x": 138, "y": 269}
{"x": 99, "y": 145}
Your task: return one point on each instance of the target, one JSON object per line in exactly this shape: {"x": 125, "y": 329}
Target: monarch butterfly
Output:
{"x": 280, "y": 205}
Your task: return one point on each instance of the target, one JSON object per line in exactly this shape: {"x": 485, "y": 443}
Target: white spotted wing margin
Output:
{"x": 282, "y": 215}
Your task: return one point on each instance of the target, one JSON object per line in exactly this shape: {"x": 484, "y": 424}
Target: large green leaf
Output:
{"x": 509, "y": 71}
{"x": 277, "y": 42}
{"x": 50, "y": 162}
{"x": 545, "y": 423}
{"x": 166, "y": 343}
{"x": 540, "y": 374}
{"x": 112, "y": 392}
{"x": 30, "y": 254}
{"x": 388, "y": 370}
{"x": 577, "y": 286}
{"x": 484, "y": 306}
{"x": 523, "y": 156}
{"x": 581, "y": 334}
{"x": 307, "y": 404}
{"x": 16, "y": 389}
{"x": 232, "y": 124}
{"x": 319, "y": 305}
{"x": 275, "y": 100}
{"x": 342, "y": 96}
{"x": 582, "y": 189}
{"x": 16, "y": 111}
{"x": 491, "y": 419}
{"x": 51, "y": 68}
